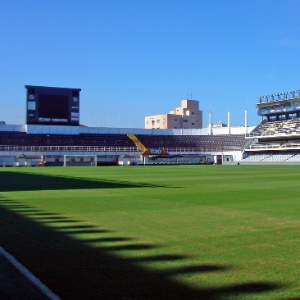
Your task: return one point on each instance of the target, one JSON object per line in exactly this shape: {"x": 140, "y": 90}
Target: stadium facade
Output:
{"x": 52, "y": 134}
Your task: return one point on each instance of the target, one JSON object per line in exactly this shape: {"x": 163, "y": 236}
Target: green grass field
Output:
{"x": 160, "y": 232}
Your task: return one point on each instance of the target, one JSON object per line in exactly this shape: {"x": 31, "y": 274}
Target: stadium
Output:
{"x": 53, "y": 134}
{"x": 217, "y": 217}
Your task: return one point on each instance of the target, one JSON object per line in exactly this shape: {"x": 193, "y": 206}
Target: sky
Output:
{"x": 135, "y": 58}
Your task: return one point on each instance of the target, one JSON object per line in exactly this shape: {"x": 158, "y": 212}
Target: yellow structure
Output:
{"x": 137, "y": 142}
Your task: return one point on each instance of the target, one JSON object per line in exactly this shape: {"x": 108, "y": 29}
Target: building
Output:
{"x": 188, "y": 116}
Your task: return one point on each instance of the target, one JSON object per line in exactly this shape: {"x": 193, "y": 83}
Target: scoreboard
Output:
{"x": 52, "y": 105}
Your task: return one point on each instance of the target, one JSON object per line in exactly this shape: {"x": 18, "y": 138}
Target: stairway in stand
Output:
{"x": 137, "y": 142}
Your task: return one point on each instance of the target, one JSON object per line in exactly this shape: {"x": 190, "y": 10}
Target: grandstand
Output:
{"x": 275, "y": 140}
{"x": 29, "y": 144}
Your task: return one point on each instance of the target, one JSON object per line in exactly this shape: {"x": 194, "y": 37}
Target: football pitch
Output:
{"x": 156, "y": 232}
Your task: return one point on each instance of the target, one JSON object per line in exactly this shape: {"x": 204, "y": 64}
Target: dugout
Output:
{"x": 28, "y": 160}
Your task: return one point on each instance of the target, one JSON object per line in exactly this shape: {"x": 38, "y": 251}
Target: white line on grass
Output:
{"x": 33, "y": 279}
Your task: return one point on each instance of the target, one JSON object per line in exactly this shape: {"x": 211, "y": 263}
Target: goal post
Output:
{"x": 80, "y": 160}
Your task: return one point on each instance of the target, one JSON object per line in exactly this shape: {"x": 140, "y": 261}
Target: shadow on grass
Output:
{"x": 92, "y": 269}
{"x": 15, "y": 181}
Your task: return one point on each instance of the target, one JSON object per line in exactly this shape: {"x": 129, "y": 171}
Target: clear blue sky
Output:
{"x": 142, "y": 57}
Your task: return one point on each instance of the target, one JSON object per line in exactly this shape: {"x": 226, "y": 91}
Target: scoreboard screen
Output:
{"x": 52, "y": 106}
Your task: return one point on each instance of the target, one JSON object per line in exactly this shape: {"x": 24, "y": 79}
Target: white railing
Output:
{"x": 68, "y": 148}
{"x": 274, "y": 146}
{"x": 107, "y": 149}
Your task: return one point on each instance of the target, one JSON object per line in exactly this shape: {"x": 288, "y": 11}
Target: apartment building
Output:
{"x": 187, "y": 116}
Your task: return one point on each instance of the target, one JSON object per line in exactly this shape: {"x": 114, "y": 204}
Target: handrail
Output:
{"x": 67, "y": 148}
{"x": 274, "y": 146}
{"x": 94, "y": 149}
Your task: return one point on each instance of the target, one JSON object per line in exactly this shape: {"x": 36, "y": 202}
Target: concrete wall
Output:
{"x": 21, "y": 128}
{"x": 108, "y": 130}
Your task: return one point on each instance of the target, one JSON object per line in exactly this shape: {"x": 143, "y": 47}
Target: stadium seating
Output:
{"x": 273, "y": 157}
{"x": 197, "y": 142}
{"x": 274, "y": 141}
{"x": 256, "y": 157}
{"x": 281, "y": 146}
{"x": 24, "y": 139}
{"x": 277, "y": 128}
